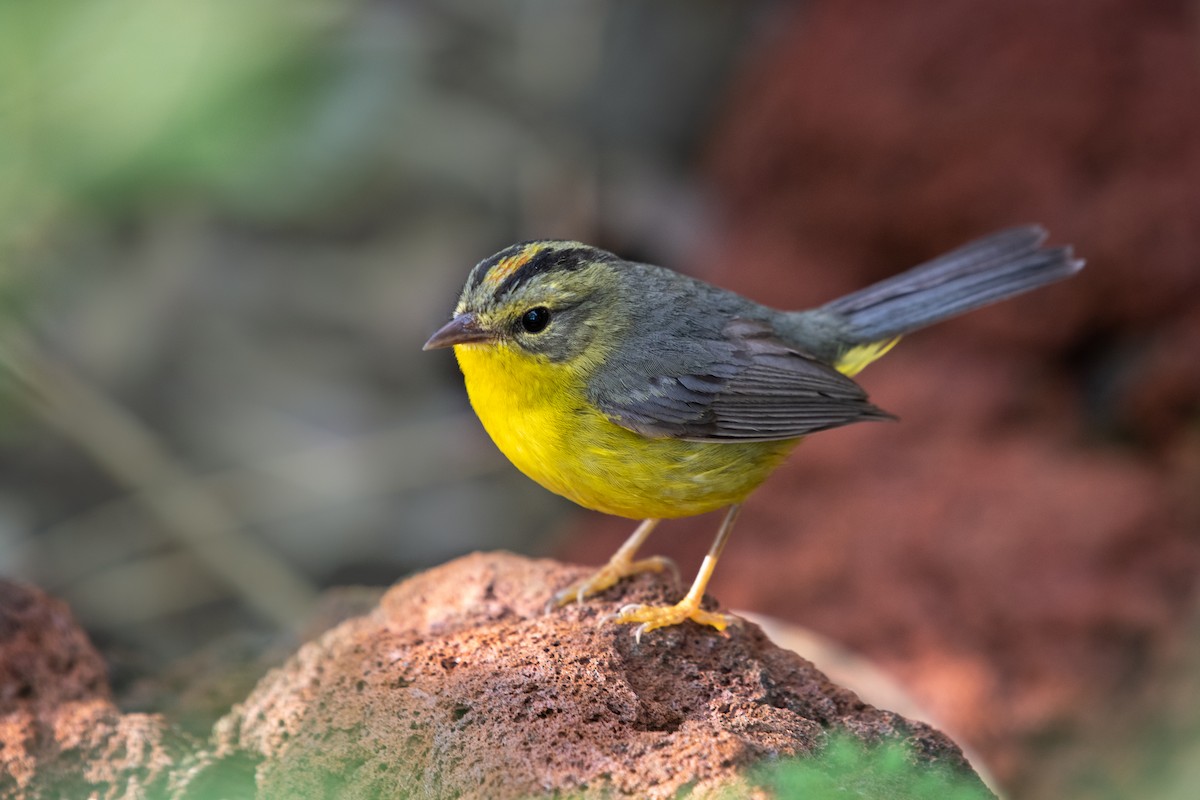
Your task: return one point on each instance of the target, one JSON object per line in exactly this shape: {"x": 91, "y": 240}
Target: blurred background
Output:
{"x": 226, "y": 229}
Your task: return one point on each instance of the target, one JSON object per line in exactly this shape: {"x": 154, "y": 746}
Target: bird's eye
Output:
{"x": 535, "y": 320}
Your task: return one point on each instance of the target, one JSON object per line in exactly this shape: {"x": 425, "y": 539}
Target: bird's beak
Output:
{"x": 463, "y": 329}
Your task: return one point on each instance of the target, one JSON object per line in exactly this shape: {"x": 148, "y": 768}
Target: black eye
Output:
{"x": 535, "y": 320}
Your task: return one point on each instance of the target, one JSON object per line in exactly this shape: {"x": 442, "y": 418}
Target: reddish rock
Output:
{"x": 60, "y": 736}
{"x": 863, "y": 140}
{"x": 45, "y": 657}
{"x": 460, "y": 685}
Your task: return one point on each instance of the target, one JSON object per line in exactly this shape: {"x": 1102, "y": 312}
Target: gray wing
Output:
{"x": 749, "y": 386}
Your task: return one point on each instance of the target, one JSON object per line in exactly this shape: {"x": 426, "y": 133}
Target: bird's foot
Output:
{"x": 608, "y": 575}
{"x": 648, "y": 618}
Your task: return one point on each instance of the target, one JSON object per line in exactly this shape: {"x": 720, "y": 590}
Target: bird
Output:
{"x": 637, "y": 391}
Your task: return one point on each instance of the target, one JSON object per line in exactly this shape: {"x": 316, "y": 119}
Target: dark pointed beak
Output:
{"x": 464, "y": 328}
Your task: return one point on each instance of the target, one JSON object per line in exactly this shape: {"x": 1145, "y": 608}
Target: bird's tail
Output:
{"x": 978, "y": 273}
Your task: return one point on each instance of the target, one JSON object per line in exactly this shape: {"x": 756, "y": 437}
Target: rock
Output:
{"x": 60, "y": 735}
{"x": 460, "y": 685}
{"x": 46, "y": 660}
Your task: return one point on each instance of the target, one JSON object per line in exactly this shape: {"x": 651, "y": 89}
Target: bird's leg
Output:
{"x": 650, "y": 617}
{"x": 621, "y": 565}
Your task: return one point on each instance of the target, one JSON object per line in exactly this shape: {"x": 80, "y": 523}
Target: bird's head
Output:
{"x": 548, "y": 298}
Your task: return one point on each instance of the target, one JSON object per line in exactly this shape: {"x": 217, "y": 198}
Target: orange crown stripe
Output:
{"x": 507, "y": 266}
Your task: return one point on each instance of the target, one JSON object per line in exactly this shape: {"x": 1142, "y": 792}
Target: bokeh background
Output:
{"x": 226, "y": 228}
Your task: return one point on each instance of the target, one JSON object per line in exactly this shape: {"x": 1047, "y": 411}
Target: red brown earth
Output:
{"x": 1022, "y": 548}
{"x": 457, "y": 685}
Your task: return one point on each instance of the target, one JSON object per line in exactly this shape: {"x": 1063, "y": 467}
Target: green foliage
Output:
{"x": 847, "y": 768}
{"x": 106, "y": 104}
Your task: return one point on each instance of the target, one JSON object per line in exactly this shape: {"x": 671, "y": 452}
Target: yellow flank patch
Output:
{"x": 854, "y": 360}
{"x": 507, "y": 266}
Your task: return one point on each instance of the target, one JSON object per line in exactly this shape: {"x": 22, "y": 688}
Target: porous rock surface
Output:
{"x": 460, "y": 685}
{"x": 60, "y": 734}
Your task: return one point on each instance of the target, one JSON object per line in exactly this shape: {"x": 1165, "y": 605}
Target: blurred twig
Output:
{"x": 304, "y": 481}
{"x": 131, "y": 454}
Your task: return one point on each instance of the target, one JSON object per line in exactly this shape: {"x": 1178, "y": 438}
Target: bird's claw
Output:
{"x": 609, "y": 575}
{"x": 648, "y": 618}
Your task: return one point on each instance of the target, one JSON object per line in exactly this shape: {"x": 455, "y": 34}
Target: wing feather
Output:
{"x": 748, "y": 386}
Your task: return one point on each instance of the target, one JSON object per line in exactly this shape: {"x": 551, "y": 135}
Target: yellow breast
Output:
{"x": 537, "y": 413}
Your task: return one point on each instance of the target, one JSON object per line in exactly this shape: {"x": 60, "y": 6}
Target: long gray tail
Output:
{"x": 978, "y": 273}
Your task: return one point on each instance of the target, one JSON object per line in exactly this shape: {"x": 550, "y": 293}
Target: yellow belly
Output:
{"x": 537, "y": 414}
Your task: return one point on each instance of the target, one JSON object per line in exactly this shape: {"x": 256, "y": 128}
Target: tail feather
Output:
{"x": 996, "y": 267}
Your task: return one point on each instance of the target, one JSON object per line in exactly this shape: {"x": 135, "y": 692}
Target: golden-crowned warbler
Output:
{"x": 637, "y": 391}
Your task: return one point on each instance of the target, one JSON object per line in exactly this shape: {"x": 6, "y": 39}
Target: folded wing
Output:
{"x": 749, "y": 386}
